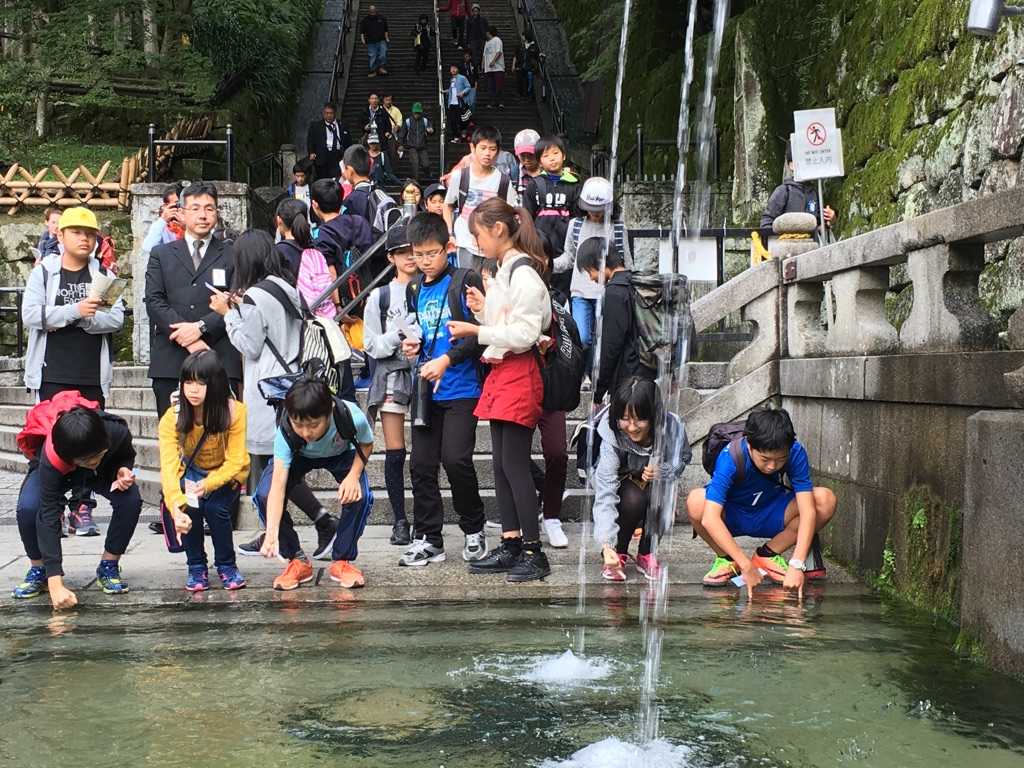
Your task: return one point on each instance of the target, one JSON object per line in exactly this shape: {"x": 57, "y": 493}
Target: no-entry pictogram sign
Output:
{"x": 816, "y": 134}
{"x": 817, "y": 145}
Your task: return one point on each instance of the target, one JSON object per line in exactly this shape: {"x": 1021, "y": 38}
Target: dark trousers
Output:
{"x": 164, "y": 388}
{"x": 301, "y": 495}
{"x": 495, "y": 86}
{"x": 80, "y": 495}
{"x": 420, "y": 160}
{"x": 513, "y": 485}
{"x": 127, "y": 505}
{"x": 550, "y": 481}
{"x": 449, "y": 440}
{"x": 353, "y": 516}
{"x": 454, "y": 121}
{"x": 328, "y": 165}
{"x": 634, "y": 502}
{"x": 459, "y": 30}
{"x": 422, "y": 58}
{"x": 216, "y": 509}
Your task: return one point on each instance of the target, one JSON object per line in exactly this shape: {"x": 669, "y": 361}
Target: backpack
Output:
{"x": 563, "y": 365}
{"x": 618, "y": 235}
{"x": 42, "y": 416}
{"x": 381, "y": 211}
{"x": 313, "y": 279}
{"x": 656, "y": 298}
{"x": 343, "y": 422}
{"x": 727, "y": 433}
{"x": 464, "y": 175}
{"x": 586, "y": 441}
{"x": 320, "y": 340}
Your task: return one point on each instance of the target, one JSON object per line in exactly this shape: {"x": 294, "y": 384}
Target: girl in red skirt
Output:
{"x": 513, "y": 318}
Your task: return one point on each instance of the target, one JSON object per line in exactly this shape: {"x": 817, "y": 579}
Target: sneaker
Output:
{"x": 198, "y": 579}
{"x": 400, "y": 534}
{"x": 586, "y": 386}
{"x": 495, "y": 524}
{"x": 614, "y": 568}
{"x": 33, "y": 586}
{"x": 722, "y": 570}
{"x": 533, "y": 565}
{"x": 296, "y": 573}
{"x": 775, "y": 567}
{"x": 556, "y": 536}
{"x": 157, "y": 527}
{"x": 346, "y": 574}
{"x": 108, "y": 574}
{"x": 499, "y": 560}
{"x": 230, "y": 577}
{"x": 372, "y": 74}
{"x": 648, "y": 566}
{"x": 65, "y": 527}
{"x": 421, "y": 553}
{"x": 383, "y": 71}
{"x": 476, "y": 547}
{"x": 326, "y": 527}
{"x": 81, "y": 522}
{"x": 816, "y": 574}
{"x": 251, "y": 547}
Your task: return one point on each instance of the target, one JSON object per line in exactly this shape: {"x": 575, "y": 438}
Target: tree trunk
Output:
{"x": 41, "y": 114}
{"x": 149, "y": 34}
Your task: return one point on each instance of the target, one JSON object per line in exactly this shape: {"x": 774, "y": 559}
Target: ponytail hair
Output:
{"x": 295, "y": 216}
{"x": 520, "y": 228}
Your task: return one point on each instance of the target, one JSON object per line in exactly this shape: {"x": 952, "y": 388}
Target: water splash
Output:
{"x": 568, "y": 670}
{"x": 614, "y": 753}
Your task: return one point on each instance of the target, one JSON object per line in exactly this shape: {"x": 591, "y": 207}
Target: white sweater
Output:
{"x": 517, "y": 310}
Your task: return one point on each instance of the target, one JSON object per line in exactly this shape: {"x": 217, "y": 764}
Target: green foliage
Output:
{"x": 68, "y": 154}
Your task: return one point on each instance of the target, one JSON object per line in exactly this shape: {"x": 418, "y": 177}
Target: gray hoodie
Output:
{"x": 259, "y": 317}
{"x": 621, "y": 456}
{"x": 40, "y": 314}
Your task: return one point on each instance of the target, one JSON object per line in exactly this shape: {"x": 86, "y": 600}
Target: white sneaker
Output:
{"x": 556, "y": 536}
{"x": 495, "y": 524}
{"x": 586, "y": 385}
{"x": 420, "y": 553}
{"x": 476, "y": 547}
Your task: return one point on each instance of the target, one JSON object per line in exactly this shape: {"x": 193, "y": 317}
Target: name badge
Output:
{"x": 220, "y": 278}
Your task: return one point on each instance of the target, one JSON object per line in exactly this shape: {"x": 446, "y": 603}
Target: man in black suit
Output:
{"x": 178, "y": 300}
{"x": 326, "y": 141}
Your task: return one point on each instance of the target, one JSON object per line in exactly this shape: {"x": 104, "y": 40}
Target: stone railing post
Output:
{"x": 1015, "y": 379}
{"x": 946, "y": 315}
{"x": 805, "y": 333}
{"x": 860, "y": 326}
{"x": 763, "y": 312}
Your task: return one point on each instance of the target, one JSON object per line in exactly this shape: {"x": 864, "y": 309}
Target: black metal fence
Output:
{"x": 228, "y": 142}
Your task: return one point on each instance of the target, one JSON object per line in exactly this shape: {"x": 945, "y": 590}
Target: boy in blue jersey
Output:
{"x": 752, "y": 501}
{"x": 318, "y": 431}
{"x": 450, "y": 368}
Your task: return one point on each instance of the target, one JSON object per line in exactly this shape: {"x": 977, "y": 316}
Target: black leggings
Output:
{"x": 633, "y": 504}
{"x": 513, "y": 484}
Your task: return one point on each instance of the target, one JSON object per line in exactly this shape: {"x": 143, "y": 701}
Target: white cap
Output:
{"x": 596, "y": 194}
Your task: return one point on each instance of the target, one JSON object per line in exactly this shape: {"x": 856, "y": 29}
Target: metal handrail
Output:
{"x": 276, "y": 168}
{"x": 364, "y": 257}
{"x": 547, "y": 87}
{"x": 441, "y": 99}
{"x": 339, "y": 58}
{"x": 228, "y": 142}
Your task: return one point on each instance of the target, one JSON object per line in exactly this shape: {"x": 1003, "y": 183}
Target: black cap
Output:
{"x": 398, "y": 237}
{"x": 434, "y": 189}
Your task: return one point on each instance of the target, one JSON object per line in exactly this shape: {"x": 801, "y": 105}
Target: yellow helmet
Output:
{"x": 80, "y": 216}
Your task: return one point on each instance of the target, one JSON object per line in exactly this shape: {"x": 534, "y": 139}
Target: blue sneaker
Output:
{"x": 33, "y": 586}
{"x": 198, "y": 579}
{"x": 108, "y": 574}
{"x": 230, "y": 577}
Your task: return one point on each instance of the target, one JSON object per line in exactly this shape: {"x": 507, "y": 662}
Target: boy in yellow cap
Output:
{"x": 70, "y": 333}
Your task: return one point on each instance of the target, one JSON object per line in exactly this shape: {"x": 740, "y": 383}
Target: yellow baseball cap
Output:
{"x": 80, "y": 216}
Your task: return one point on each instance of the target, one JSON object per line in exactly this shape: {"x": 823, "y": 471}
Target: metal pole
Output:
{"x": 19, "y": 297}
{"x": 640, "y": 150}
{"x": 230, "y": 152}
{"x": 821, "y": 213}
{"x": 151, "y": 170}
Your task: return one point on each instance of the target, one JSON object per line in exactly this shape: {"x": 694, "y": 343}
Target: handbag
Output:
{"x": 174, "y": 540}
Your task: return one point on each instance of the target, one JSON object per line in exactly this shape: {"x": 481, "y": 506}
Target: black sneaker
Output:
{"x": 532, "y": 565}
{"x": 251, "y": 547}
{"x": 499, "y": 560}
{"x": 157, "y": 527}
{"x": 326, "y": 527}
{"x": 400, "y": 534}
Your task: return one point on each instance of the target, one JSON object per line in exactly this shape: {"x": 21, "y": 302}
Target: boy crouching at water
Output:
{"x": 748, "y": 498}
{"x": 317, "y": 431}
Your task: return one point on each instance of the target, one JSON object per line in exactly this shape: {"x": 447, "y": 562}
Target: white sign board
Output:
{"x": 817, "y": 145}
{"x": 698, "y": 259}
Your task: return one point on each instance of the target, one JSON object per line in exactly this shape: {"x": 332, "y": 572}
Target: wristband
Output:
{"x": 798, "y": 565}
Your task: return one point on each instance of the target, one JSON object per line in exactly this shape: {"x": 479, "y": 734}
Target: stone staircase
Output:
{"x": 132, "y": 399}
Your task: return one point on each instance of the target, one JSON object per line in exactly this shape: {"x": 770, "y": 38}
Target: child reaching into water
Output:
{"x": 203, "y": 464}
{"x": 626, "y": 469}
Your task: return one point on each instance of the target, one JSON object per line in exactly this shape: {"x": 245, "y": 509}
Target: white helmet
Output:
{"x": 596, "y": 194}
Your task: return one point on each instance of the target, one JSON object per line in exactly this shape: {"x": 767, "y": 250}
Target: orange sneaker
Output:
{"x": 297, "y": 572}
{"x": 775, "y": 567}
{"x": 346, "y": 574}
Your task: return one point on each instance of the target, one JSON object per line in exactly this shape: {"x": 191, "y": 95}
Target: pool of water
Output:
{"x": 842, "y": 680}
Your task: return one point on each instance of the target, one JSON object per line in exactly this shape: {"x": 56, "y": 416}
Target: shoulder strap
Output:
{"x": 577, "y": 230}
{"x": 278, "y": 293}
{"x": 540, "y": 185}
{"x": 736, "y": 451}
{"x": 456, "y": 289}
{"x": 412, "y": 293}
{"x": 46, "y": 279}
{"x": 195, "y": 451}
{"x": 346, "y": 427}
{"x": 463, "y": 186}
{"x": 503, "y": 185}
{"x": 384, "y": 304}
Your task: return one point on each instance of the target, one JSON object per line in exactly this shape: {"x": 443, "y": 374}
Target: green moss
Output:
{"x": 921, "y": 561}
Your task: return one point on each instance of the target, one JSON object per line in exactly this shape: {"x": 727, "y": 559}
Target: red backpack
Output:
{"x": 41, "y": 417}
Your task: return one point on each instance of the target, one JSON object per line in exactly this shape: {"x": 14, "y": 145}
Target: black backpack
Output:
{"x": 563, "y": 365}
{"x": 343, "y": 422}
{"x": 727, "y": 433}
